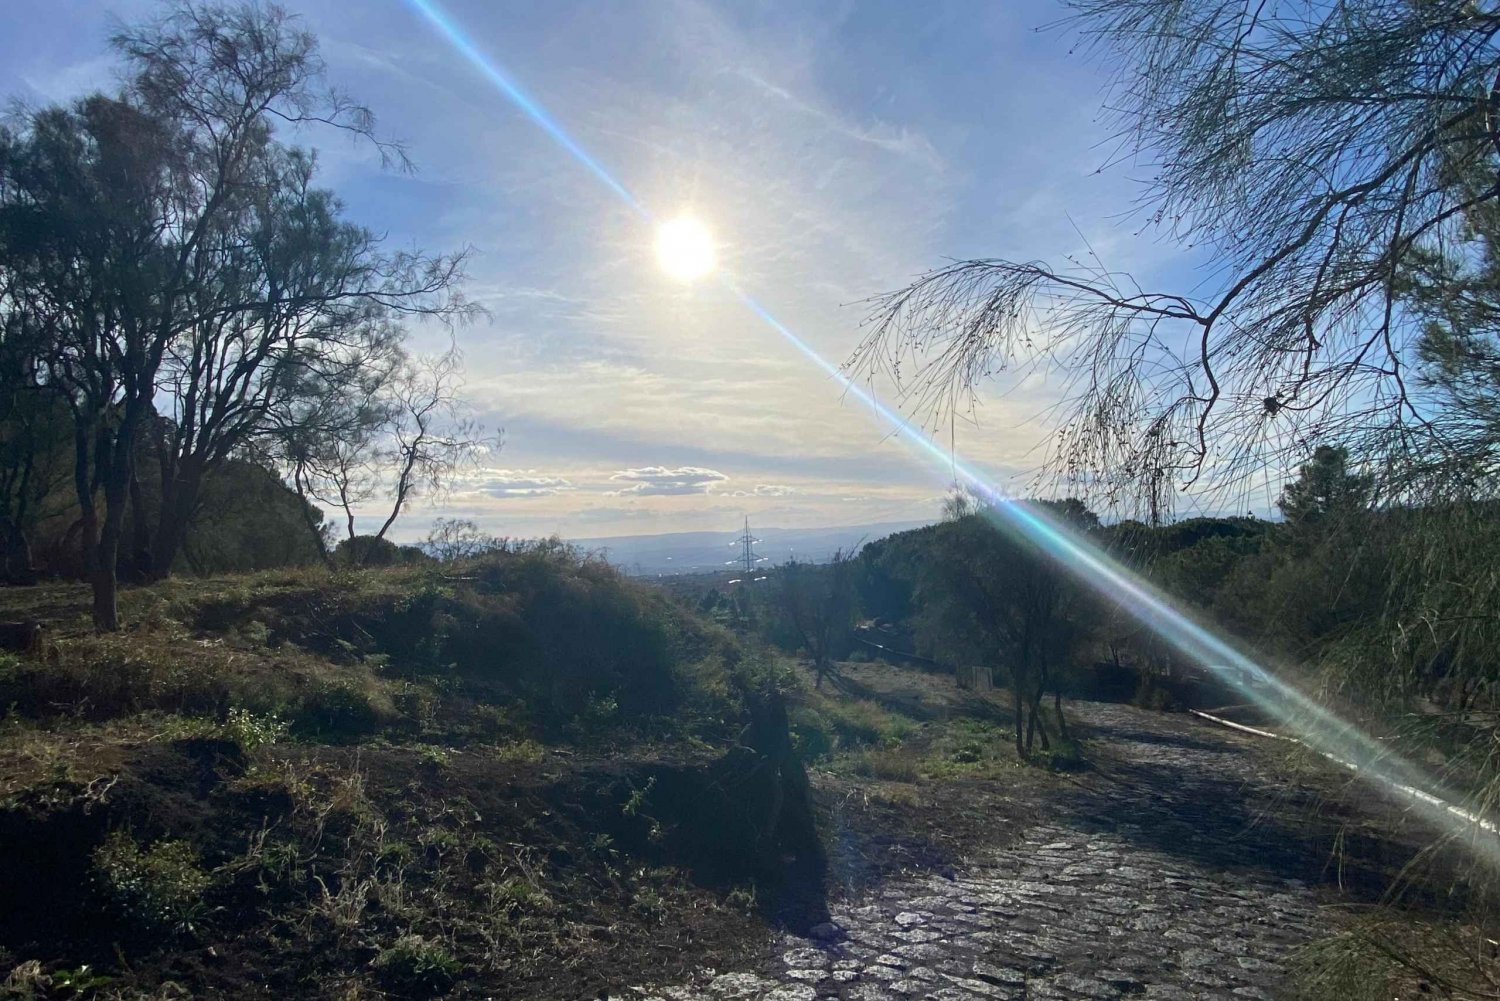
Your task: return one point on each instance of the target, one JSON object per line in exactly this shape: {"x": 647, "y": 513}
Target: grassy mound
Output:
{"x": 554, "y": 638}
{"x": 469, "y": 779}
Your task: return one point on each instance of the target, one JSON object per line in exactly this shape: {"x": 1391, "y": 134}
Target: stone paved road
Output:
{"x": 1162, "y": 876}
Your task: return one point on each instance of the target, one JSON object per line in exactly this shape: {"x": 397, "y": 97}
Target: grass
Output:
{"x": 825, "y": 725}
{"x": 1387, "y": 954}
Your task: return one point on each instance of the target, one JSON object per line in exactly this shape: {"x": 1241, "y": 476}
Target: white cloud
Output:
{"x": 766, "y": 490}
{"x": 659, "y": 481}
{"x": 519, "y": 483}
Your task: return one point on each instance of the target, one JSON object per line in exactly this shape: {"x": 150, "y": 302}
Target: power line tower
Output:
{"x": 748, "y": 556}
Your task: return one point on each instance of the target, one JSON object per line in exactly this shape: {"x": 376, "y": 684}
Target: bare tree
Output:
{"x": 406, "y": 435}
{"x": 460, "y": 539}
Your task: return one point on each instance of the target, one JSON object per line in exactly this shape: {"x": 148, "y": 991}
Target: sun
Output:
{"x": 685, "y": 249}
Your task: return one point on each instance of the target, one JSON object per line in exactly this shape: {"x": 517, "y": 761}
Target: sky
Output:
{"x": 834, "y": 150}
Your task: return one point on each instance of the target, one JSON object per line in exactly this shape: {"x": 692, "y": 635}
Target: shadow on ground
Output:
{"x": 1213, "y": 798}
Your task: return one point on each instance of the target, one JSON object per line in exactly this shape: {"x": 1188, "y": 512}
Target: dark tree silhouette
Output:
{"x": 170, "y": 247}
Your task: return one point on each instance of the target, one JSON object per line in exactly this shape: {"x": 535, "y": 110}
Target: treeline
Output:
{"x": 197, "y": 348}
{"x": 1328, "y": 591}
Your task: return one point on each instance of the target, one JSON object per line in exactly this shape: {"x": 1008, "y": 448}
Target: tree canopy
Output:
{"x": 171, "y": 274}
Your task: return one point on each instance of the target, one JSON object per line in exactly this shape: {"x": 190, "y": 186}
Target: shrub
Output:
{"x": 247, "y": 730}
{"x": 1152, "y": 693}
{"x": 367, "y": 551}
{"x": 338, "y": 711}
{"x": 822, "y": 725}
{"x": 812, "y": 736}
{"x": 157, "y": 889}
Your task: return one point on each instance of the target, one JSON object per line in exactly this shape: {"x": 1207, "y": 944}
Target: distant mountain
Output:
{"x": 697, "y": 552}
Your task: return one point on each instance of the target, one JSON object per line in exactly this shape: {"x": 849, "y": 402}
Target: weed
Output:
{"x": 25, "y": 981}
{"x": 600, "y": 711}
{"x": 637, "y": 797}
{"x": 434, "y": 756}
{"x": 439, "y": 840}
{"x": 79, "y": 980}
{"x": 824, "y": 725}
{"x": 343, "y": 908}
{"x": 1062, "y": 756}
{"x": 649, "y": 904}
{"x": 339, "y": 711}
{"x": 256, "y": 633}
{"x": 417, "y": 964}
{"x": 521, "y": 751}
{"x": 517, "y": 894}
{"x": 742, "y": 898}
{"x": 396, "y": 854}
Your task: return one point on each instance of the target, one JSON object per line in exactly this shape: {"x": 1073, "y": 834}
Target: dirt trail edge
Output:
{"x": 1168, "y": 873}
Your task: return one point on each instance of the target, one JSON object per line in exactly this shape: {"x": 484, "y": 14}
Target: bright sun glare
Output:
{"x": 685, "y": 248}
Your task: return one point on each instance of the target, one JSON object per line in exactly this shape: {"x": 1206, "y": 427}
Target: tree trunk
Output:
{"x": 106, "y": 589}
{"x": 115, "y": 460}
{"x": 107, "y": 549}
{"x": 101, "y": 571}
{"x": 140, "y": 533}
{"x": 1019, "y": 706}
{"x": 1062, "y": 723}
{"x": 17, "y": 564}
{"x": 179, "y": 497}
{"x": 308, "y": 519}
{"x": 1035, "y": 723}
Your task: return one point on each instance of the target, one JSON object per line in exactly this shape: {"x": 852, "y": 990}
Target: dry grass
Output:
{"x": 1386, "y": 954}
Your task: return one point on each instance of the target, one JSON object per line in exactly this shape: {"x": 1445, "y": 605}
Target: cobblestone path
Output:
{"x": 1164, "y": 875}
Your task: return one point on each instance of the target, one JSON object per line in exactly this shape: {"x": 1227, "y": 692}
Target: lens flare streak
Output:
{"x": 456, "y": 37}
{"x": 1319, "y": 728}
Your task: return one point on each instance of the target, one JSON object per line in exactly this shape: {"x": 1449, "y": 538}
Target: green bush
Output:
{"x": 246, "y": 729}
{"x": 812, "y": 736}
{"x": 157, "y": 890}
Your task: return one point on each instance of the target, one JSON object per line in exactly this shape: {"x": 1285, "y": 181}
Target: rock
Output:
{"x": 814, "y": 958}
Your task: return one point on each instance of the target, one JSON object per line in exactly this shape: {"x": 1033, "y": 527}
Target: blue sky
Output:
{"x": 835, "y": 150}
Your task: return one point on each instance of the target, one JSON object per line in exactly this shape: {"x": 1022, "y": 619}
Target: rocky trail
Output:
{"x": 1177, "y": 869}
